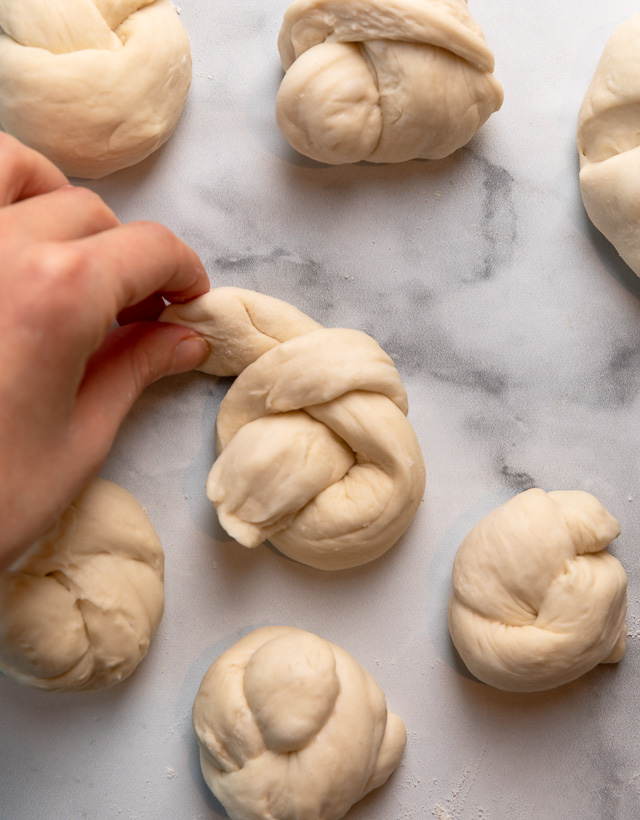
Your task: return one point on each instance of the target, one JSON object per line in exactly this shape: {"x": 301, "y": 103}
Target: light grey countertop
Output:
{"x": 516, "y": 329}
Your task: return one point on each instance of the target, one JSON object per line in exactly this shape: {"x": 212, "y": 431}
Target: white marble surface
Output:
{"x": 517, "y": 331}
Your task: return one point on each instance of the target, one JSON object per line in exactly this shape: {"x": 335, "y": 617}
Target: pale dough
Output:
{"x": 79, "y": 609}
{"x": 383, "y": 81}
{"x": 609, "y": 143}
{"x": 537, "y": 600}
{"x": 291, "y": 727}
{"x": 315, "y": 452}
{"x": 95, "y": 85}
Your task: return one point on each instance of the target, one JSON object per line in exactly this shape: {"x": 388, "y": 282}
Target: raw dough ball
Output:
{"x": 383, "y": 81}
{"x": 95, "y": 85}
{"x": 609, "y": 143}
{"x": 291, "y": 727}
{"x": 79, "y": 609}
{"x": 537, "y": 600}
{"x": 315, "y": 450}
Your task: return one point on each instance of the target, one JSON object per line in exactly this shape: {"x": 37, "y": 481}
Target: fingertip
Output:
{"x": 189, "y": 354}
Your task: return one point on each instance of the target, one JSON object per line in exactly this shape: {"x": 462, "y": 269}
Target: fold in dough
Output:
{"x": 315, "y": 452}
{"x": 383, "y": 81}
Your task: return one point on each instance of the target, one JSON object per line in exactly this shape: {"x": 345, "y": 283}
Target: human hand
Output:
{"x": 67, "y": 376}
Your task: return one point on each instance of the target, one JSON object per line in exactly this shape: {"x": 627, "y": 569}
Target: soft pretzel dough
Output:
{"x": 383, "y": 81}
{"x": 609, "y": 143}
{"x": 79, "y": 609}
{"x": 291, "y": 727}
{"x": 95, "y": 85}
{"x": 315, "y": 451}
{"x": 537, "y": 600}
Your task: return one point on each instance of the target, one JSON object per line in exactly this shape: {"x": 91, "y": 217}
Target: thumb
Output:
{"x": 129, "y": 359}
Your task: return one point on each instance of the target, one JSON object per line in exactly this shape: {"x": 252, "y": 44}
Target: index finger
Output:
{"x": 134, "y": 261}
{"x": 25, "y": 173}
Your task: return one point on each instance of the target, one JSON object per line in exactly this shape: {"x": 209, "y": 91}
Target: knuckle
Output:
{"x": 63, "y": 265}
{"x": 44, "y": 293}
{"x": 15, "y": 156}
{"x": 156, "y": 229}
{"x": 59, "y": 275}
{"x": 10, "y": 145}
{"x": 160, "y": 234}
{"x": 91, "y": 203}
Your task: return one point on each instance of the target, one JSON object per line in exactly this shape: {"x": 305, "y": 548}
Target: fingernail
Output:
{"x": 190, "y": 353}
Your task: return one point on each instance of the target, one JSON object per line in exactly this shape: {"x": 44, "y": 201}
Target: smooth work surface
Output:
{"x": 516, "y": 329}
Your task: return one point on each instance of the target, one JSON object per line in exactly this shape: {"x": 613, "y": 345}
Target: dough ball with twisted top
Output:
{"x": 383, "y": 81}
{"x": 79, "y": 609}
{"x": 291, "y": 727}
{"x": 537, "y": 600}
{"x": 315, "y": 450}
{"x": 94, "y": 85}
{"x": 609, "y": 143}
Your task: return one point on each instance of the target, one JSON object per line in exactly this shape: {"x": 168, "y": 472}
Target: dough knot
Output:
{"x": 79, "y": 609}
{"x": 383, "y": 81}
{"x": 537, "y": 600}
{"x": 95, "y": 85}
{"x": 315, "y": 452}
{"x": 609, "y": 143}
{"x": 291, "y": 727}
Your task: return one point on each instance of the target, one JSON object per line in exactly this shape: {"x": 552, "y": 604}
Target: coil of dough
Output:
{"x": 78, "y": 611}
{"x": 383, "y": 80}
{"x": 94, "y": 85}
{"x": 609, "y": 143}
{"x": 537, "y": 600}
{"x": 291, "y": 727}
{"x": 315, "y": 452}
